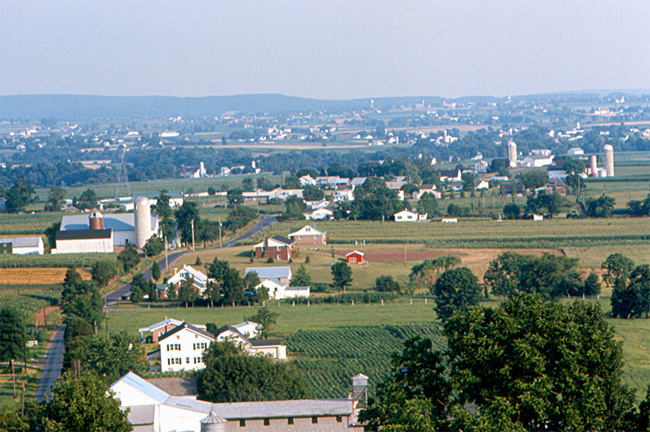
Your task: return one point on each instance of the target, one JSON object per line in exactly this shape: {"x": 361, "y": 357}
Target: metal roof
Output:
{"x": 140, "y": 384}
{"x": 86, "y": 234}
{"x": 114, "y": 221}
{"x": 270, "y": 272}
{"x": 185, "y": 326}
{"x": 19, "y": 242}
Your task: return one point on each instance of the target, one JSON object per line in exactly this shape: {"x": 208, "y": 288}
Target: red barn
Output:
{"x": 354, "y": 257}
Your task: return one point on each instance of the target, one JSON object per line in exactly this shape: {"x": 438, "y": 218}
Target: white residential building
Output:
{"x": 270, "y": 347}
{"x": 200, "y": 279}
{"x": 410, "y": 216}
{"x": 182, "y": 348}
{"x": 319, "y": 214}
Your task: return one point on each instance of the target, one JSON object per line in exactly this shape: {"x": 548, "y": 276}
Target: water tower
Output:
{"x": 142, "y": 221}
{"x": 512, "y": 154}
{"x": 96, "y": 220}
{"x": 609, "y": 160}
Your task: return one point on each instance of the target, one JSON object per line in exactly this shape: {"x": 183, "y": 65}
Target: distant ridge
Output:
{"x": 85, "y": 107}
{"x": 82, "y": 107}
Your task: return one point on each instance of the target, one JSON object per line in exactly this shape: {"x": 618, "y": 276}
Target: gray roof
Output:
{"x": 116, "y": 222}
{"x": 270, "y": 272}
{"x": 265, "y": 342}
{"x": 300, "y": 288}
{"x": 185, "y": 326}
{"x": 242, "y": 410}
{"x": 19, "y": 242}
{"x": 84, "y": 234}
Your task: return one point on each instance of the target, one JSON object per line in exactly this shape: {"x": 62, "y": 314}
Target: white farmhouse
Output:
{"x": 319, "y": 213}
{"x": 182, "y": 348}
{"x": 410, "y": 216}
{"x": 199, "y": 279}
{"x": 270, "y": 347}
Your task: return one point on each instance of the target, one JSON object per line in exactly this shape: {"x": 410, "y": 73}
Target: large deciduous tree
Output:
{"x": 19, "y": 196}
{"x": 232, "y": 376}
{"x": 536, "y": 365}
{"x": 341, "y": 275}
{"x": 84, "y": 404}
{"x": 455, "y": 290}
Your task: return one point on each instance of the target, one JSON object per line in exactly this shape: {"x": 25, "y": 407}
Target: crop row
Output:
{"x": 330, "y": 358}
{"x": 29, "y": 299}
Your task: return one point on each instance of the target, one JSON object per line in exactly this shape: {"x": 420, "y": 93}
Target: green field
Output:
{"x": 334, "y": 342}
{"x": 29, "y": 298}
{"x": 482, "y": 233}
{"x": 36, "y": 223}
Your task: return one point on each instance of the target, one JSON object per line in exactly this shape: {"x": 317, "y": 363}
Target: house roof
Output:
{"x": 283, "y": 239}
{"x": 159, "y": 324}
{"x": 270, "y": 272}
{"x": 142, "y": 385}
{"x": 183, "y": 327}
{"x": 300, "y": 288}
{"x": 265, "y": 342}
{"x": 19, "y": 242}
{"x": 307, "y": 230}
{"x": 354, "y": 252}
{"x": 87, "y": 234}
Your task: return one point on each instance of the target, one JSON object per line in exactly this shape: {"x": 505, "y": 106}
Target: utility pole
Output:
{"x": 44, "y": 317}
{"x": 220, "y": 241}
{"x": 193, "y": 249}
{"x": 166, "y": 259}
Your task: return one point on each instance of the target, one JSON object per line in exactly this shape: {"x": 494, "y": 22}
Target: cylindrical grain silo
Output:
{"x": 593, "y": 165}
{"x": 96, "y": 220}
{"x": 213, "y": 423}
{"x": 512, "y": 153}
{"x": 142, "y": 221}
{"x": 609, "y": 160}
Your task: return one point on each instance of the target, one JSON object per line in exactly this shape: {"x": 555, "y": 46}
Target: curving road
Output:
{"x": 52, "y": 365}
{"x": 111, "y": 298}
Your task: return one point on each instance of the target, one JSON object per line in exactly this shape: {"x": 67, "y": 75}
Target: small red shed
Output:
{"x": 354, "y": 257}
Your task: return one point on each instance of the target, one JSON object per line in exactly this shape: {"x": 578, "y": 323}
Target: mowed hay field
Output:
{"x": 37, "y": 275}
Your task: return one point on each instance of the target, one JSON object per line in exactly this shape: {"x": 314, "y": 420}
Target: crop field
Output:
{"x": 352, "y": 331}
{"x": 37, "y": 276}
{"x": 330, "y": 358}
{"x": 29, "y": 298}
{"x": 482, "y": 233}
{"x": 15, "y": 224}
{"x": 62, "y": 260}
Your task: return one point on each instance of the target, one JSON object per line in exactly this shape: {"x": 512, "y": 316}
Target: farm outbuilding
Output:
{"x": 354, "y": 257}
{"x": 22, "y": 246}
{"x": 84, "y": 241}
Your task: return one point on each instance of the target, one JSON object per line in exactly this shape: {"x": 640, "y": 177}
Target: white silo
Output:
{"x": 593, "y": 165}
{"x": 512, "y": 153}
{"x": 609, "y": 160}
{"x": 142, "y": 221}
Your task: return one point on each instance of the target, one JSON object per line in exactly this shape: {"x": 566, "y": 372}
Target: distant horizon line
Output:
{"x": 636, "y": 91}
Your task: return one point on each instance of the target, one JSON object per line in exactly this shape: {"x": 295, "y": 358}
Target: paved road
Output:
{"x": 52, "y": 365}
{"x": 111, "y": 298}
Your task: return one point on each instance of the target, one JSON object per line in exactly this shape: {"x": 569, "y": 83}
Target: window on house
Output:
{"x": 267, "y": 422}
{"x": 242, "y": 423}
{"x": 339, "y": 419}
{"x": 290, "y": 420}
{"x": 187, "y": 360}
{"x": 314, "y": 420}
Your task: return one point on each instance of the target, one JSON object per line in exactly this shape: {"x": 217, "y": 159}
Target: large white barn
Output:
{"x": 90, "y": 233}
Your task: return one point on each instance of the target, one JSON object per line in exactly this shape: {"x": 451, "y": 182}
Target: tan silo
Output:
{"x": 512, "y": 154}
{"x": 609, "y": 160}
{"x": 142, "y": 221}
{"x": 213, "y": 423}
{"x": 593, "y": 165}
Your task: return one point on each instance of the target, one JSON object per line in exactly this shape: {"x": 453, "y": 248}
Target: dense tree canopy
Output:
{"x": 373, "y": 200}
{"x": 84, "y": 404}
{"x": 233, "y": 376}
{"x": 341, "y": 275}
{"x": 12, "y": 334}
{"x": 455, "y": 290}
{"x": 548, "y": 275}
{"x": 19, "y": 196}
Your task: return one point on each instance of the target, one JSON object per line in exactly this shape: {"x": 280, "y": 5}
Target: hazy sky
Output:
{"x": 324, "y": 49}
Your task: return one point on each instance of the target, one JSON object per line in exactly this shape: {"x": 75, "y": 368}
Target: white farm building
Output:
{"x": 91, "y": 233}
